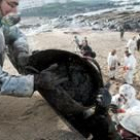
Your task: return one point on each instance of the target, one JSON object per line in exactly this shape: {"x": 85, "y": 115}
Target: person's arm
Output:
{"x": 13, "y": 85}
{"x": 18, "y": 48}
{"x": 19, "y": 86}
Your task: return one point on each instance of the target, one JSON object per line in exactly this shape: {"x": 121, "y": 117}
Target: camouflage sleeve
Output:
{"x": 17, "y": 45}
{"x": 19, "y": 86}
{"x": 13, "y": 34}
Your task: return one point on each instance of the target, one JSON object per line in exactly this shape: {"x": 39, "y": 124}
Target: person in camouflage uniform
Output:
{"x": 15, "y": 40}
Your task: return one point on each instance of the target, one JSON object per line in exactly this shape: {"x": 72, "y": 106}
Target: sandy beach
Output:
{"x": 32, "y": 118}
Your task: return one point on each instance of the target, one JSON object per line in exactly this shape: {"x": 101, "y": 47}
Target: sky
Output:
{"x": 93, "y": 0}
{"x": 48, "y": 1}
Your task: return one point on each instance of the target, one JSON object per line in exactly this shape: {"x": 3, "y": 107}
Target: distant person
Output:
{"x": 138, "y": 42}
{"x": 126, "y": 123}
{"x": 86, "y": 50}
{"x": 76, "y": 40}
{"x": 113, "y": 63}
{"x": 131, "y": 45}
{"x": 121, "y": 33}
{"x": 129, "y": 67}
{"x": 126, "y": 98}
{"x": 86, "y": 41}
{"x": 83, "y": 48}
{"x": 78, "y": 45}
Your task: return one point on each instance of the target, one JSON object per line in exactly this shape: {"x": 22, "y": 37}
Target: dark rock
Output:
{"x": 127, "y": 26}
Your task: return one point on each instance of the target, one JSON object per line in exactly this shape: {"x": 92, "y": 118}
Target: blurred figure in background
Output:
{"x": 128, "y": 107}
{"x": 121, "y": 33}
{"x": 86, "y": 50}
{"x": 129, "y": 67}
{"x": 131, "y": 45}
{"x": 83, "y": 48}
{"x": 86, "y": 41}
{"x": 78, "y": 45}
{"x": 113, "y": 63}
{"x": 138, "y": 42}
{"x": 126, "y": 98}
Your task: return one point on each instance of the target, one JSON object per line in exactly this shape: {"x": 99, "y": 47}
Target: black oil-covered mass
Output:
{"x": 73, "y": 86}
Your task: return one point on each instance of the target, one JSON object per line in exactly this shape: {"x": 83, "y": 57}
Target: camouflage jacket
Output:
{"x": 21, "y": 86}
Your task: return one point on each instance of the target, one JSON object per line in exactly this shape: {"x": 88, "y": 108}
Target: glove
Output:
{"x": 104, "y": 98}
{"x": 113, "y": 108}
{"x": 48, "y": 79}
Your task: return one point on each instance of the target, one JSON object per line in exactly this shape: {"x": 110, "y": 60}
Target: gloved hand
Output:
{"x": 104, "y": 98}
{"x": 113, "y": 108}
{"x": 48, "y": 79}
